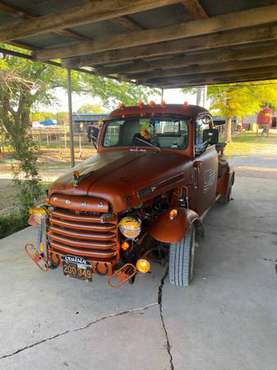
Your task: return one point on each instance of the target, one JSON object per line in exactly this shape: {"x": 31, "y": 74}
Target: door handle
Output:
{"x": 196, "y": 166}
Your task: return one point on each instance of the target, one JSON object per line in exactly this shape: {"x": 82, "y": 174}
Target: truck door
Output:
{"x": 205, "y": 167}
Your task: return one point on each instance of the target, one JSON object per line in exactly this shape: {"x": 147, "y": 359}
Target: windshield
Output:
{"x": 160, "y": 132}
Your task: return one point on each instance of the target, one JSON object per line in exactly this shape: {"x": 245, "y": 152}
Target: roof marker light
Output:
{"x": 173, "y": 214}
{"x": 120, "y": 105}
{"x": 140, "y": 103}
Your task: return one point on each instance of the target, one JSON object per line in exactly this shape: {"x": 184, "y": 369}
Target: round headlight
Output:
{"x": 36, "y": 215}
{"x": 130, "y": 227}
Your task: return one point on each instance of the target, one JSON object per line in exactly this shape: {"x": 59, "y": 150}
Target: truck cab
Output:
{"x": 157, "y": 171}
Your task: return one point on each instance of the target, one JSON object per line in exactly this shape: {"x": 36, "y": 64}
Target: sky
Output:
{"x": 171, "y": 96}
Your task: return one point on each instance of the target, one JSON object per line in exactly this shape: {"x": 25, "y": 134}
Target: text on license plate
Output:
{"x": 73, "y": 268}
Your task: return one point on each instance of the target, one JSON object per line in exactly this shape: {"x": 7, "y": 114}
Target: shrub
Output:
{"x": 11, "y": 223}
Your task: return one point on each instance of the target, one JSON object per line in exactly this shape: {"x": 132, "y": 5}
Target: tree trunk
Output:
{"x": 228, "y": 130}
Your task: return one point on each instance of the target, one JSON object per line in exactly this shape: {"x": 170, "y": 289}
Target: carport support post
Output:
{"x": 199, "y": 95}
{"x": 69, "y": 94}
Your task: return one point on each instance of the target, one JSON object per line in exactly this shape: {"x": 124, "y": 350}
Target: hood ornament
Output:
{"x": 76, "y": 178}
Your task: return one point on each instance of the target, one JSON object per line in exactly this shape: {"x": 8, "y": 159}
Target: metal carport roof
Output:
{"x": 161, "y": 43}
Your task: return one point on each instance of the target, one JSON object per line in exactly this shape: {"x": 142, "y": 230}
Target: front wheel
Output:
{"x": 181, "y": 260}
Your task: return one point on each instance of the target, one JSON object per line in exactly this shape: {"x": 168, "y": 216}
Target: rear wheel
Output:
{"x": 181, "y": 260}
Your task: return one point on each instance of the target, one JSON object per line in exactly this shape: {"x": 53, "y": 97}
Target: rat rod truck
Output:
{"x": 157, "y": 171}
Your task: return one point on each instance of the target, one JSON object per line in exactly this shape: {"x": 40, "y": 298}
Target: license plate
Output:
{"x": 77, "y": 267}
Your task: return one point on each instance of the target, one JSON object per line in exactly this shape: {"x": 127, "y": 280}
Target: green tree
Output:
{"x": 23, "y": 86}
{"x": 232, "y": 101}
{"x": 62, "y": 118}
{"x": 42, "y": 116}
{"x": 90, "y": 108}
{"x": 239, "y": 100}
{"x": 112, "y": 91}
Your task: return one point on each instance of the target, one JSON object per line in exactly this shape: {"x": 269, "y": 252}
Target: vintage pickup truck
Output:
{"x": 157, "y": 171}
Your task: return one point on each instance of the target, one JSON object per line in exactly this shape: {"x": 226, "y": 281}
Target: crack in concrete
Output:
{"x": 112, "y": 315}
{"x": 160, "y": 302}
{"x": 58, "y": 335}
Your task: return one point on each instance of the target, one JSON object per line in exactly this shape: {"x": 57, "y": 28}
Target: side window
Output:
{"x": 112, "y": 133}
{"x": 171, "y": 133}
{"x": 203, "y": 122}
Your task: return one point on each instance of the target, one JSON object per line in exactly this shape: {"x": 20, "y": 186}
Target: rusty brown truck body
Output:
{"x": 156, "y": 173}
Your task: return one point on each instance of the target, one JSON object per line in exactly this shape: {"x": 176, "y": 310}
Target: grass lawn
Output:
{"x": 7, "y": 194}
{"x": 250, "y": 144}
{"x": 11, "y": 219}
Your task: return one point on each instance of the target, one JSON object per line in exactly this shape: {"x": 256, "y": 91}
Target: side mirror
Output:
{"x": 210, "y": 136}
{"x": 94, "y": 141}
{"x": 219, "y": 122}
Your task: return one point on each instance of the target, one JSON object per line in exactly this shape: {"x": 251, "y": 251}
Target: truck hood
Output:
{"x": 119, "y": 176}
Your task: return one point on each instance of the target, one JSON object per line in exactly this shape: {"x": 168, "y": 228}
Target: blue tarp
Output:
{"x": 48, "y": 122}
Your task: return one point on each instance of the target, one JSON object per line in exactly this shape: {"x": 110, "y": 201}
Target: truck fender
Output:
{"x": 226, "y": 182}
{"x": 167, "y": 230}
{"x": 229, "y": 183}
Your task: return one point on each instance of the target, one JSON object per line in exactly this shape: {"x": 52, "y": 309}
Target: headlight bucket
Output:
{"x": 36, "y": 215}
{"x": 130, "y": 227}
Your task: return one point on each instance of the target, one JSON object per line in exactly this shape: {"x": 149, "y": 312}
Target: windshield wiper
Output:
{"x": 148, "y": 143}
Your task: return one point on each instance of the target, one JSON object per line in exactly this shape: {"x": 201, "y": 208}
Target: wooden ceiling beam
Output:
{"x": 92, "y": 12}
{"x": 71, "y": 34}
{"x": 181, "y": 84}
{"x": 210, "y": 68}
{"x": 127, "y": 23}
{"x": 231, "y": 21}
{"x": 195, "y": 9}
{"x": 204, "y": 58}
{"x": 201, "y": 79}
{"x": 10, "y": 10}
{"x": 194, "y": 44}
{"x": 13, "y": 11}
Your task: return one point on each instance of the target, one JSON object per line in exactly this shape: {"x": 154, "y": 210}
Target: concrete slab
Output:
{"x": 226, "y": 320}
{"x": 35, "y": 305}
{"x": 114, "y": 343}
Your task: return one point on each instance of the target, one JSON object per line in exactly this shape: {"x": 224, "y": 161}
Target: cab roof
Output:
{"x": 152, "y": 109}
